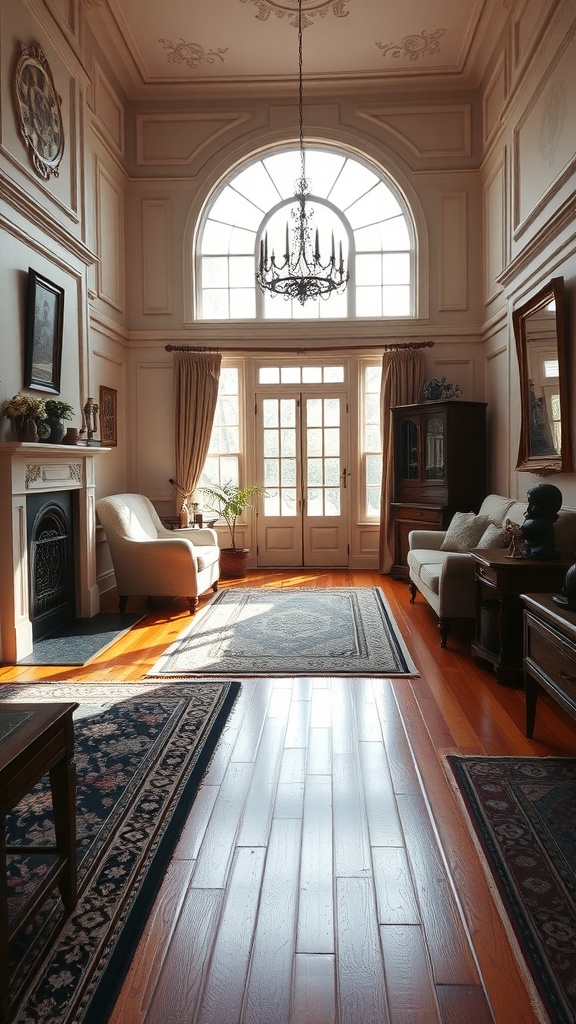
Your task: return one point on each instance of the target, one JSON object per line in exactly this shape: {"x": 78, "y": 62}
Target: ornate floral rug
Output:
{"x": 524, "y": 812}
{"x": 280, "y": 632}
{"x": 140, "y": 750}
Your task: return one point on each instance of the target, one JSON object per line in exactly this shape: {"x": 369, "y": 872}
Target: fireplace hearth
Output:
{"x": 50, "y": 530}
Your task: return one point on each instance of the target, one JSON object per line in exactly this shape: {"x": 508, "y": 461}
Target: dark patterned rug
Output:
{"x": 347, "y": 631}
{"x": 140, "y": 752}
{"x": 524, "y": 812}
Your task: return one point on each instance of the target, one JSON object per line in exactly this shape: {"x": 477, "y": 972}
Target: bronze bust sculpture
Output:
{"x": 544, "y": 503}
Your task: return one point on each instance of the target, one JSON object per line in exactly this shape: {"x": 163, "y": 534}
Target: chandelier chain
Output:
{"x": 300, "y": 273}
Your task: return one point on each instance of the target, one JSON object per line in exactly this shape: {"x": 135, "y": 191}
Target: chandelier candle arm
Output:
{"x": 301, "y": 275}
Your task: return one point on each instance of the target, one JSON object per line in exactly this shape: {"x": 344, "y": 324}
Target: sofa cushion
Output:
{"x": 493, "y": 537}
{"x": 495, "y": 506}
{"x": 430, "y": 576}
{"x": 516, "y": 512}
{"x": 464, "y": 531}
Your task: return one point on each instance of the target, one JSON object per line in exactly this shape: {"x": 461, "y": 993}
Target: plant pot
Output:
{"x": 234, "y": 563}
{"x": 57, "y": 429}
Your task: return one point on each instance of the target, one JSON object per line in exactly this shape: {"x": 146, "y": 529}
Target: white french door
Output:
{"x": 303, "y": 463}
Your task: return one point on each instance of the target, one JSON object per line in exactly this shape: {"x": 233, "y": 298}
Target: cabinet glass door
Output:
{"x": 434, "y": 448}
{"x": 409, "y": 450}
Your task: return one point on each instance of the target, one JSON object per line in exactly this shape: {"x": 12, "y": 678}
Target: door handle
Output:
{"x": 345, "y": 476}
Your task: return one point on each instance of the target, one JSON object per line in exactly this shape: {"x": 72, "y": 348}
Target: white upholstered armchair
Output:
{"x": 149, "y": 559}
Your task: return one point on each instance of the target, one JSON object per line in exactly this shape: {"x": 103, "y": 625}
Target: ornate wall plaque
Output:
{"x": 38, "y": 109}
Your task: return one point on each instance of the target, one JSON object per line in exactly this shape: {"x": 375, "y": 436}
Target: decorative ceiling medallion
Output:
{"x": 414, "y": 47}
{"x": 310, "y": 9}
{"x": 38, "y": 109}
{"x": 191, "y": 54}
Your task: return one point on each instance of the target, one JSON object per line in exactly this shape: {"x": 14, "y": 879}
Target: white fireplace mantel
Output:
{"x": 31, "y": 469}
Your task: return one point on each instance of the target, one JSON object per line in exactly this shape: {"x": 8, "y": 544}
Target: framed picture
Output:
{"x": 43, "y": 339}
{"x": 108, "y": 417}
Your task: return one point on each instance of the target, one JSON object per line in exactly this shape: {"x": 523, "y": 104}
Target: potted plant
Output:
{"x": 56, "y": 412}
{"x": 230, "y": 502}
{"x": 24, "y": 412}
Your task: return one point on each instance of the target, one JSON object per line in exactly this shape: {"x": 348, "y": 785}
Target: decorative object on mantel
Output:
{"x": 24, "y": 411}
{"x": 72, "y": 436}
{"x": 301, "y": 272}
{"x": 439, "y": 390}
{"x": 108, "y": 416}
{"x": 544, "y": 504}
{"x": 38, "y": 109}
{"x": 89, "y": 420}
{"x": 56, "y": 412}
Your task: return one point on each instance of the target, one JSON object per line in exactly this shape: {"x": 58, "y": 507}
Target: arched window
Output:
{"x": 365, "y": 211}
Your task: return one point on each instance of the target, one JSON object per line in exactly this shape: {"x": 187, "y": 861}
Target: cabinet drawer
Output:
{"x": 418, "y": 515}
{"x": 552, "y": 655}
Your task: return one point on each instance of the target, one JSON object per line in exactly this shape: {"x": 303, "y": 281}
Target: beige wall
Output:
{"x": 489, "y": 177}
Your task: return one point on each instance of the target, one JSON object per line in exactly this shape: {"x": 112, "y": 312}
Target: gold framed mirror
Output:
{"x": 539, "y": 330}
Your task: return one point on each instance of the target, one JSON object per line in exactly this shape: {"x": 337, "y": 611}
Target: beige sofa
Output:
{"x": 447, "y": 578}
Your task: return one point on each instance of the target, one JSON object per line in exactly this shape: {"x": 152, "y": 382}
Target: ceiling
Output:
{"x": 191, "y": 42}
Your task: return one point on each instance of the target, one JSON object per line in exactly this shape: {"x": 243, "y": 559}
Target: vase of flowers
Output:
{"x": 57, "y": 412}
{"x": 24, "y": 411}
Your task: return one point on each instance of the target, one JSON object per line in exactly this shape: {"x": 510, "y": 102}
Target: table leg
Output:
{"x": 4, "y": 927}
{"x": 63, "y": 785}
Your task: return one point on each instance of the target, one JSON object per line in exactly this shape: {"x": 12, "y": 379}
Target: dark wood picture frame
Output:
{"x": 43, "y": 338}
{"x": 108, "y": 417}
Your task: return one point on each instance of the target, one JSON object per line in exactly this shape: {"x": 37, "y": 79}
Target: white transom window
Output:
{"x": 364, "y": 212}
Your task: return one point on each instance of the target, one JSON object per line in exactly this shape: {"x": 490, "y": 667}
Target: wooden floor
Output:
{"x": 326, "y": 873}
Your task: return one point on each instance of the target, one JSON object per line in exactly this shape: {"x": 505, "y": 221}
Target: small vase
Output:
{"x": 57, "y": 430}
{"x": 25, "y": 427}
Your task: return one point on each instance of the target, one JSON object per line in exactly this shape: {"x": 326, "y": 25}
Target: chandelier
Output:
{"x": 300, "y": 273}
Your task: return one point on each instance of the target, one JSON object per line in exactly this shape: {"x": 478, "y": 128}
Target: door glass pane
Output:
{"x": 279, "y": 445}
{"x": 323, "y": 463}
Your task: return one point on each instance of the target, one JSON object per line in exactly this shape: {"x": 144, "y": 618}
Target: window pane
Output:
{"x": 332, "y": 499}
{"x": 315, "y": 472}
{"x": 268, "y": 375}
{"x": 332, "y": 472}
{"x": 396, "y": 268}
{"x": 215, "y": 272}
{"x": 242, "y": 271}
{"x": 315, "y": 504}
{"x": 373, "y": 470}
{"x": 332, "y": 441}
{"x": 228, "y": 382}
{"x": 314, "y": 412}
{"x": 288, "y": 472}
{"x": 373, "y": 439}
{"x": 288, "y": 412}
{"x": 288, "y": 502}
{"x": 216, "y": 237}
{"x": 352, "y": 183}
{"x": 256, "y": 184}
{"x": 290, "y": 375}
{"x": 394, "y": 234}
{"x": 333, "y": 374}
{"x": 311, "y": 374}
{"x": 242, "y": 303}
{"x": 396, "y": 301}
{"x": 369, "y": 270}
{"x": 288, "y": 442}
{"x": 369, "y": 301}
{"x": 271, "y": 473}
{"x": 215, "y": 304}
{"x": 242, "y": 241}
{"x": 332, "y": 412}
{"x": 232, "y": 208}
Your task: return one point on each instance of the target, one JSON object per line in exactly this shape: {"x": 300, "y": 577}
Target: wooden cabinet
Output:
{"x": 439, "y": 468}
{"x": 549, "y": 654}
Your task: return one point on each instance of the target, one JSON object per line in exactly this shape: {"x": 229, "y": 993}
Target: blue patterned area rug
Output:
{"x": 281, "y": 632}
{"x": 524, "y": 812}
{"x": 141, "y": 750}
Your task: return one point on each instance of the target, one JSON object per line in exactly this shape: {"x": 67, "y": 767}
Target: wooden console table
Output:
{"x": 549, "y": 654}
{"x": 36, "y": 740}
{"x": 500, "y": 581}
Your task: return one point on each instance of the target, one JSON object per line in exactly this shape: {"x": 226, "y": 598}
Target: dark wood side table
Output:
{"x": 36, "y": 740}
{"x": 549, "y": 654}
{"x": 500, "y": 581}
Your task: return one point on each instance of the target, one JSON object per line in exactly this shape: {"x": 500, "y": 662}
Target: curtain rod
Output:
{"x": 295, "y": 351}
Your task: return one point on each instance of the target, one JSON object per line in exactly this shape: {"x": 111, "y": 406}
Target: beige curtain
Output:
{"x": 196, "y": 376}
{"x": 402, "y": 383}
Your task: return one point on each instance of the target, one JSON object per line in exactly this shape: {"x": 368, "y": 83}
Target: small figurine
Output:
{"x": 513, "y": 536}
{"x": 89, "y": 420}
{"x": 544, "y": 503}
